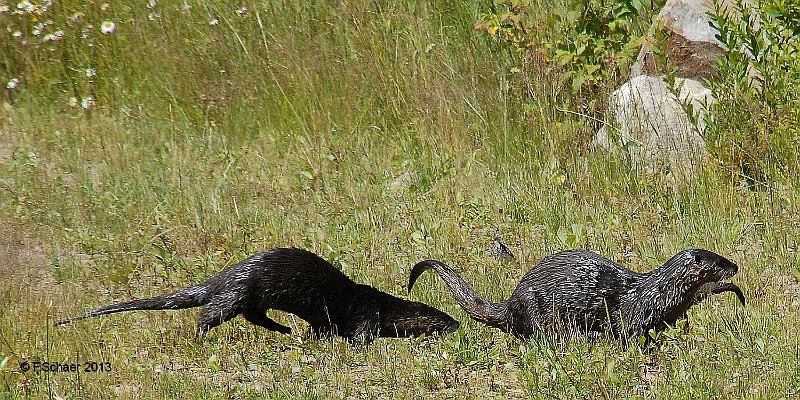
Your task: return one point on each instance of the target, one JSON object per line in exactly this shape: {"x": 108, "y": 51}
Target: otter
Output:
{"x": 302, "y": 283}
{"x": 577, "y": 291}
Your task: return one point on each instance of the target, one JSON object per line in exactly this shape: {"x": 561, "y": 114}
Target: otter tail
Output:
{"x": 479, "y": 309}
{"x": 192, "y": 296}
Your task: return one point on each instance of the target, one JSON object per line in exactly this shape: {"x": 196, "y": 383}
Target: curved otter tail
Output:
{"x": 192, "y": 296}
{"x": 478, "y": 308}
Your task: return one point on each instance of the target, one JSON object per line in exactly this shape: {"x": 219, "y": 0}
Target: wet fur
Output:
{"x": 299, "y": 282}
{"x": 580, "y": 291}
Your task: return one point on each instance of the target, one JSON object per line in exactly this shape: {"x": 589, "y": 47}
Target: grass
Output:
{"x": 375, "y": 135}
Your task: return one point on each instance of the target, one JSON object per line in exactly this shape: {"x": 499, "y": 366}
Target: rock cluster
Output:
{"x": 659, "y": 121}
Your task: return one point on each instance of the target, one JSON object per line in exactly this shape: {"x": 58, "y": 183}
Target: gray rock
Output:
{"x": 697, "y": 97}
{"x": 689, "y": 43}
{"x": 649, "y": 121}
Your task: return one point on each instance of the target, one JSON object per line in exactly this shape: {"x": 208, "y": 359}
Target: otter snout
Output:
{"x": 411, "y": 318}
{"x": 434, "y": 324}
{"x": 452, "y": 327}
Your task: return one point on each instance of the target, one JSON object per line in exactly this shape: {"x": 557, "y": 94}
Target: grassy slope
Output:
{"x": 375, "y": 135}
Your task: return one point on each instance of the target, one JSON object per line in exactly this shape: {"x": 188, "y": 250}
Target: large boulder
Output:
{"x": 648, "y": 120}
{"x": 681, "y": 35}
{"x": 696, "y": 98}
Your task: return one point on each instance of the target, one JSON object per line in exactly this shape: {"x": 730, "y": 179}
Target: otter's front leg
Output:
{"x": 259, "y": 318}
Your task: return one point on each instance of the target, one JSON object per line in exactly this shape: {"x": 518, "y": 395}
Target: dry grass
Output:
{"x": 374, "y": 135}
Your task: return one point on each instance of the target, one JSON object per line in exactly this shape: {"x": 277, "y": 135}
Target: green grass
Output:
{"x": 375, "y": 135}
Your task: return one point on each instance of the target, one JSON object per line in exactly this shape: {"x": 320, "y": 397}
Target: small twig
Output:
{"x": 587, "y": 116}
{"x": 475, "y": 110}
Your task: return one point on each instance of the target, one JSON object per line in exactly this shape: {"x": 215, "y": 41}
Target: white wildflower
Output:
{"x": 4, "y": 8}
{"x": 76, "y": 17}
{"x": 52, "y": 37}
{"x": 152, "y": 4}
{"x": 213, "y": 22}
{"x": 37, "y": 29}
{"x": 73, "y": 102}
{"x": 26, "y": 6}
{"x": 16, "y": 34}
{"x": 186, "y": 7}
{"x": 107, "y": 27}
{"x": 242, "y": 10}
{"x": 13, "y": 83}
{"x": 91, "y": 72}
{"x": 104, "y": 7}
{"x": 87, "y": 102}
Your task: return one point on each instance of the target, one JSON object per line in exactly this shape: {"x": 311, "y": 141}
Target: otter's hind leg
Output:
{"x": 259, "y": 317}
{"x": 218, "y": 310}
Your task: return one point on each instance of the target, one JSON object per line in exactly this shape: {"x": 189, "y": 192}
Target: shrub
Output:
{"x": 591, "y": 44}
{"x": 753, "y": 127}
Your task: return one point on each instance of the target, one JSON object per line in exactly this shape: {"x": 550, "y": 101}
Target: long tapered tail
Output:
{"x": 192, "y": 296}
{"x": 479, "y": 309}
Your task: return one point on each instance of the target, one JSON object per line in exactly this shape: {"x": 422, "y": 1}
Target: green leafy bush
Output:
{"x": 599, "y": 41}
{"x": 595, "y": 41}
{"x": 753, "y": 127}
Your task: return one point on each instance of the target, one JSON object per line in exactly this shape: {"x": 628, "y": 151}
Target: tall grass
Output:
{"x": 374, "y": 134}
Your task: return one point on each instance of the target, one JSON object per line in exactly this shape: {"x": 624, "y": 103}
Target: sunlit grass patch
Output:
{"x": 375, "y": 135}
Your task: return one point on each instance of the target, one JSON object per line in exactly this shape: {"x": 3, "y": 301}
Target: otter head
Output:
{"x": 685, "y": 280}
{"x": 706, "y": 269}
{"x": 708, "y": 266}
{"x": 410, "y": 318}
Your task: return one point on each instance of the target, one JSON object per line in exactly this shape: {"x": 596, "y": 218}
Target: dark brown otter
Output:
{"x": 299, "y": 282}
{"x": 580, "y": 291}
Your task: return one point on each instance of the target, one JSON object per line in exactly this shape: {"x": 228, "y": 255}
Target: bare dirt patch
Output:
{"x": 22, "y": 259}
{"x": 6, "y": 151}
